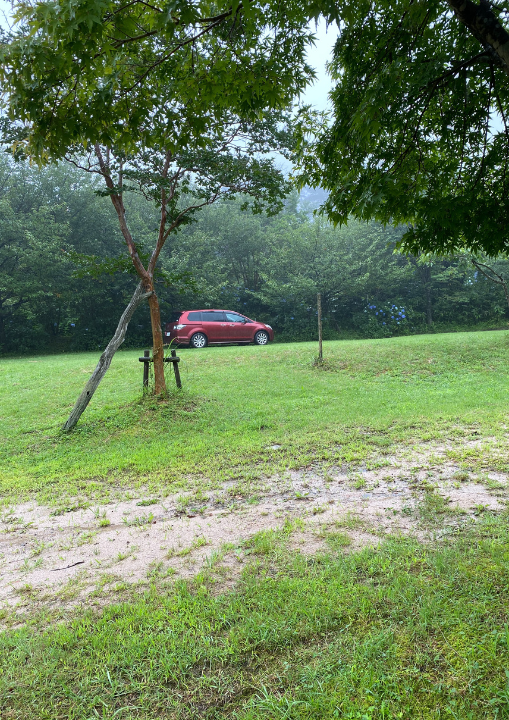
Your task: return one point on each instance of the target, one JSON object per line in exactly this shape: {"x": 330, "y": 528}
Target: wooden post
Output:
{"x": 176, "y": 369}
{"x": 146, "y": 359}
{"x": 319, "y": 307}
{"x": 146, "y": 354}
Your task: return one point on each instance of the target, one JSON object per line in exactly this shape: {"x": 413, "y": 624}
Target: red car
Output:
{"x": 199, "y": 328}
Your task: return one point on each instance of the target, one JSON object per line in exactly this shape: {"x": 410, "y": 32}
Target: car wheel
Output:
{"x": 199, "y": 340}
{"x": 261, "y": 337}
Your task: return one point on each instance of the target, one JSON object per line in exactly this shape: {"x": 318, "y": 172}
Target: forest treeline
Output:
{"x": 64, "y": 279}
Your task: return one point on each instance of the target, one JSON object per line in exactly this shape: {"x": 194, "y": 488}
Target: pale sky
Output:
{"x": 5, "y": 9}
{"x": 318, "y": 55}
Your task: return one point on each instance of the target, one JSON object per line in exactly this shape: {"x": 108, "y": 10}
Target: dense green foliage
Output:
{"x": 272, "y": 268}
{"x": 406, "y": 630}
{"x": 168, "y": 81}
{"x": 419, "y": 132}
{"x": 122, "y": 74}
{"x": 46, "y": 216}
{"x": 240, "y": 402}
{"x": 58, "y": 236}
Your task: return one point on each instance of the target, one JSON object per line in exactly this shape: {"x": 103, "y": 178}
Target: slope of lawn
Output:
{"x": 238, "y": 404}
{"x": 405, "y": 631}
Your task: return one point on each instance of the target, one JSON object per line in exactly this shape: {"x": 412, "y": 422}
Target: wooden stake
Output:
{"x": 146, "y": 354}
{"x": 146, "y": 359}
{"x": 319, "y": 306}
{"x": 176, "y": 369}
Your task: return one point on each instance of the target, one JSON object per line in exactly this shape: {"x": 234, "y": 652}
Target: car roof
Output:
{"x": 214, "y": 310}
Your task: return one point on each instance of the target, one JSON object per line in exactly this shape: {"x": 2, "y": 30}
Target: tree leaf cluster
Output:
{"x": 419, "y": 132}
{"x": 124, "y": 74}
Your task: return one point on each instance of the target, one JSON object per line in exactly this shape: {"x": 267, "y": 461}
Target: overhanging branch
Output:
{"x": 485, "y": 26}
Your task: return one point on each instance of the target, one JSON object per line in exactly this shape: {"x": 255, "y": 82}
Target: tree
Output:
{"x": 33, "y": 269}
{"x": 56, "y": 234}
{"x": 272, "y": 268}
{"x": 170, "y": 96}
{"x": 93, "y": 71}
{"x": 267, "y": 268}
{"x": 420, "y": 126}
{"x": 180, "y": 181}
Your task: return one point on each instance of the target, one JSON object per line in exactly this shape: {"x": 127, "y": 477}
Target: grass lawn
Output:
{"x": 405, "y": 631}
{"x": 417, "y": 627}
{"x": 239, "y": 402}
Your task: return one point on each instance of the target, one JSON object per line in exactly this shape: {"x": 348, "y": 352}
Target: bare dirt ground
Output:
{"x": 70, "y": 555}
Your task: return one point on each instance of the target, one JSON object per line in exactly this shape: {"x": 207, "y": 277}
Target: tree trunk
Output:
{"x": 157, "y": 344}
{"x": 320, "y": 343}
{"x": 146, "y": 275}
{"x": 106, "y": 358}
{"x": 429, "y": 307}
{"x": 485, "y": 26}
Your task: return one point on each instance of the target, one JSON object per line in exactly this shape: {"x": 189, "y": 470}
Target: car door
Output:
{"x": 214, "y": 325}
{"x": 238, "y": 327}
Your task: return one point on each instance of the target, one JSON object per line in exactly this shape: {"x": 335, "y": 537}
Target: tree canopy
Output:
{"x": 230, "y": 158}
{"x": 420, "y": 126}
{"x": 116, "y": 73}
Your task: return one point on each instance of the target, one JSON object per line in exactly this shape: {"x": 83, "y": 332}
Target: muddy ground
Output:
{"x": 68, "y": 555}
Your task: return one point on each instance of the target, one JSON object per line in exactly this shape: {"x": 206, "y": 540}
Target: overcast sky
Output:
{"x": 5, "y": 8}
{"x": 317, "y": 94}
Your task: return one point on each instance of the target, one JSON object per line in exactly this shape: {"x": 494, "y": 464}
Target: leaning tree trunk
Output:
{"x": 106, "y": 358}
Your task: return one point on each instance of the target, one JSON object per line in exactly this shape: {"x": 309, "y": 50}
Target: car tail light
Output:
{"x": 178, "y": 327}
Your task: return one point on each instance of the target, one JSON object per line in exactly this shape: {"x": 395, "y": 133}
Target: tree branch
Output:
{"x": 179, "y": 46}
{"x": 116, "y": 199}
{"x": 453, "y": 71}
{"x": 498, "y": 279}
{"x": 485, "y": 27}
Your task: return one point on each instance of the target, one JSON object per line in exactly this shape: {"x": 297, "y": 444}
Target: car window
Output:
{"x": 194, "y": 316}
{"x": 175, "y": 317}
{"x": 233, "y": 317}
{"x": 212, "y": 316}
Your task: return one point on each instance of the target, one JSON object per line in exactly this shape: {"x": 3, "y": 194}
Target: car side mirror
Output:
{"x": 244, "y": 321}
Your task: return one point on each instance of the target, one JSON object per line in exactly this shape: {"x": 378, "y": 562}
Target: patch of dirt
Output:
{"x": 67, "y": 556}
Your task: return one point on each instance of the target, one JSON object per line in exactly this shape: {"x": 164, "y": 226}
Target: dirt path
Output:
{"x": 73, "y": 555}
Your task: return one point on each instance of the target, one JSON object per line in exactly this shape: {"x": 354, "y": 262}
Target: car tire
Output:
{"x": 198, "y": 340}
{"x": 261, "y": 337}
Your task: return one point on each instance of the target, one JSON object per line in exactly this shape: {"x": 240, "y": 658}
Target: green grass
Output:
{"x": 237, "y": 403}
{"x": 404, "y": 631}
{"x": 409, "y": 630}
